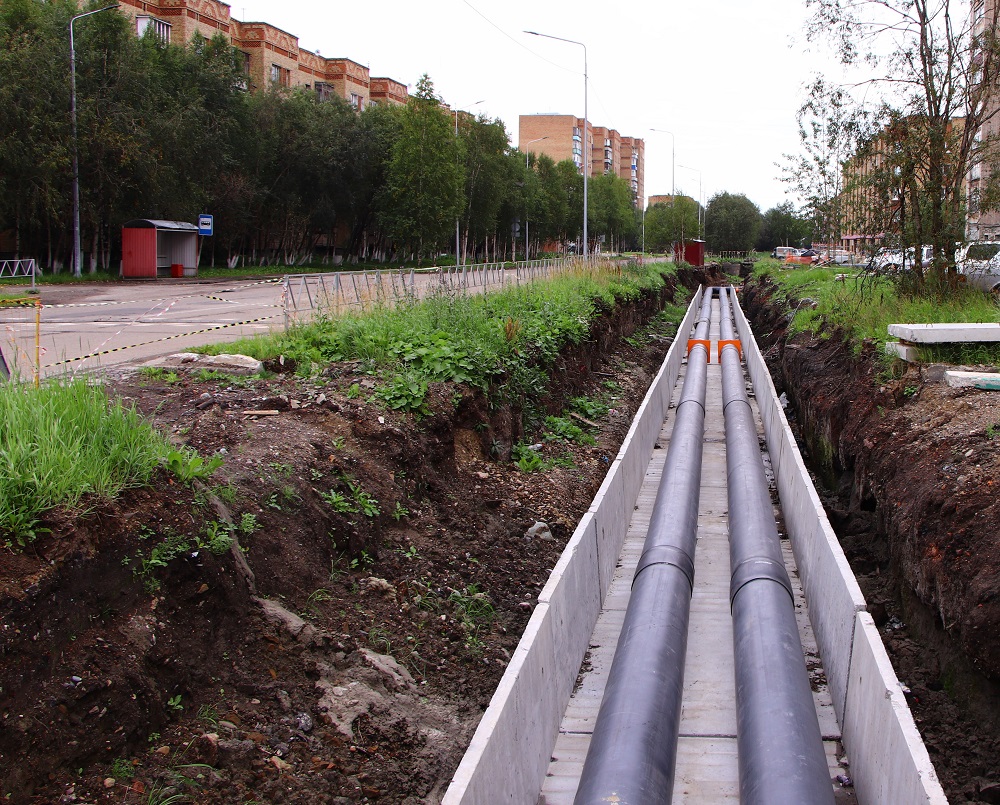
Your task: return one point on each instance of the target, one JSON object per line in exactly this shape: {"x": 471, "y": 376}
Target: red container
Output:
{"x": 176, "y": 270}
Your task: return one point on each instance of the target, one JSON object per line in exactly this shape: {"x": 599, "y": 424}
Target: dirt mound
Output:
{"x": 910, "y": 467}
{"x": 325, "y": 618}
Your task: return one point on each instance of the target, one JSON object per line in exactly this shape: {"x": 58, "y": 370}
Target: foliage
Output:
{"x": 671, "y": 223}
{"x": 732, "y": 223}
{"x": 927, "y": 64}
{"x": 783, "y": 226}
{"x": 187, "y": 465}
{"x": 63, "y": 442}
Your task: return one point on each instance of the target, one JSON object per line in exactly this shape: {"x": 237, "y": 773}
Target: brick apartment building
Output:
{"x": 981, "y": 225}
{"x": 271, "y": 56}
{"x": 561, "y": 137}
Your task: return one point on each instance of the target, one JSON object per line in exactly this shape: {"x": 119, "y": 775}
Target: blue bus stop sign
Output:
{"x": 206, "y": 224}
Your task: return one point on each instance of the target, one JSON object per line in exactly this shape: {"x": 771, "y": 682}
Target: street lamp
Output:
{"x": 586, "y": 126}
{"x": 673, "y": 165}
{"x": 526, "y": 155}
{"x": 458, "y": 253}
{"x": 77, "y": 250}
{"x": 700, "y": 209}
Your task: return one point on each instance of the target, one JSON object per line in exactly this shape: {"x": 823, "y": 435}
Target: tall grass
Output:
{"x": 501, "y": 340}
{"x": 864, "y": 307}
{"x": 63, "y": 441}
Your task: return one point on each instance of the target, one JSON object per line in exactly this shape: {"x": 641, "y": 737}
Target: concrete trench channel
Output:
{"x": 681, "y": 650}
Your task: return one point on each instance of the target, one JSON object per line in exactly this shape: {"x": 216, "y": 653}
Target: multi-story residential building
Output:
{"x": 562, "y": 137}
{"x": 980, "y": 225}
{"x": 271, "y": 56}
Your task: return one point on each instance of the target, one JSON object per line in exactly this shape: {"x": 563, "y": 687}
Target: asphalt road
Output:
{"x": 87, "y": 328}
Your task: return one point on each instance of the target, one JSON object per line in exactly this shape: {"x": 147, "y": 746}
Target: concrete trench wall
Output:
{"x": 509, "y": 753}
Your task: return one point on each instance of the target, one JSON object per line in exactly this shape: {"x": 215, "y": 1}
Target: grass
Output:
{"x": 864, "y": 307}
{"x": 64, "y": 441}
{"x": 499, "y": 342}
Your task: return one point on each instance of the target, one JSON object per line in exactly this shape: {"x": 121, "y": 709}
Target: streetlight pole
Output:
{"x": 77, "y": 249}
{"x": 700, "y": 209}
{"x": 586, "y": 126}
{"x": 526, "y": 155}
{"x": 673, "y": 165}
{"x": 458, "y": 253}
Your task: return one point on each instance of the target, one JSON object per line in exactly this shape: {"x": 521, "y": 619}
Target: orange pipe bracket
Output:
{"x": 693, "y": 342}
{"x": 735, "y": 343}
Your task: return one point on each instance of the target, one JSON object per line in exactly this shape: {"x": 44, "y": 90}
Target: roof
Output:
{"x": 154, "y": 223}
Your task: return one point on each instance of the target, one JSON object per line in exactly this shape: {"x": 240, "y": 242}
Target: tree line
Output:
{"x": 169, "y": 131}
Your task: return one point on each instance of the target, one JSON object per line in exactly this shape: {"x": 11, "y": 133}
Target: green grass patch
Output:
{"x": 500, "y": 342}
{"x": 864, "y": 307}
{"x": 63, "y": 441}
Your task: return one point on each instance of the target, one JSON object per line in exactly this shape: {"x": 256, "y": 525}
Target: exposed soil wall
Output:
{"x": 911, "y": 470}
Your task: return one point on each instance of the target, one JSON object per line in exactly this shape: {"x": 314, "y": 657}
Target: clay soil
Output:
{"x": 344, "y": 647}
{"x": 910, "y": 472}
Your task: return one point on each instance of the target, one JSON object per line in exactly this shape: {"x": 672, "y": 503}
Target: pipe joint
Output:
{"x": 666, "y": 555}
{"x": 758, "y": 568}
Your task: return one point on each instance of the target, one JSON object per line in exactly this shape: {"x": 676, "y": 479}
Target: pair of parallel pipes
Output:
{"x": 633, "y": 750}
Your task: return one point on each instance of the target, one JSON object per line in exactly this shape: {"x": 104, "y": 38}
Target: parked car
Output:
{"x": 898, "y": 260}
{"x": 842, "y": 257}
{"x": 781, "y": 252}
{"x": 979, "y": 265}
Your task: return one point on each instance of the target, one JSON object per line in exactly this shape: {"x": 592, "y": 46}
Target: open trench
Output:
{"x": 906, "y": 468}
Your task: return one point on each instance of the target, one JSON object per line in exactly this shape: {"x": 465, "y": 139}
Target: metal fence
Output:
{"x": 305, "y": 295}
{"x": 18, "y": 268}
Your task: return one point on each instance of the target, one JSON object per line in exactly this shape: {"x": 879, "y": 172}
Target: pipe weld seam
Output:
{"x": 759, "y": 568}
{"x": 744, "y": 400}
{"x": 667, "y": 555}
{"x": 687, "y": 400}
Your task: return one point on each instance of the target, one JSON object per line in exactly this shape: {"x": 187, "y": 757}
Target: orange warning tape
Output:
{"x": 734, "y": 343}
{"x": 693, "y": 342}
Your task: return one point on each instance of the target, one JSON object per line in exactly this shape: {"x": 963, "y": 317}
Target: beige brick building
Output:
{"x": 271, "y": 56}
{"x": 562, "y": 137}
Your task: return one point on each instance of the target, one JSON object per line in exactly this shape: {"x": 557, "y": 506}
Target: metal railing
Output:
{"x": 305, "y": 295}
{"x": 19, "y": 268}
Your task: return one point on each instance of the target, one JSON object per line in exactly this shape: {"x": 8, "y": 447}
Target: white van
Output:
{"x": 781, "y": 252}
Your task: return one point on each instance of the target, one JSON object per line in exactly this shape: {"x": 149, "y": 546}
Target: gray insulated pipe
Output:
{"x": 633, "y": 750}
{"x": 781, "y": 755}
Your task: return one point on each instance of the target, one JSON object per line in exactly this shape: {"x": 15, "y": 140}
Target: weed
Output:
{"x": 339, "y": 502}
{"x": 354, "y": 391}
{"x": 209, "y": 713}
{"x": 122, "y": 769}
{"x": 218, "y": 537}
{"x": 158, "y": 373}
{"x": 315, "y": 474}
{"x": 187, "y": 465}
{"x": 281, "y": 470}
{"x": 174, "y": 703}
{"x": 562, "y": 428}
{"x": 992, "y": 431}
{"x": 409, "y": 553}
{"x": 272, "y": 502}
{"x": 248, "y": 524}
{"x": 317, "y": 597}
{"x": 399, "y": 512}
{"x": 161, "y": 555}
{"x": 589, "y": 407}
{"x": 208, "y": 375}
{"x": 405, "y": 392}
{"x": 527, "y": 460}
{"x": 379, "y": 639}
{"x": 910, "y": 391}
{"x": 338, "y": 442}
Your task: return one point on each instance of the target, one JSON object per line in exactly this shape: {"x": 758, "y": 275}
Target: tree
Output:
{"x": 930, "y": 65}
{"x": 667, "y": 224}
{"x": 783, "y": 226}
{"x": 423, "y": 193}
{"x": 610, "y": 210}
{"x": 732, "y": 223}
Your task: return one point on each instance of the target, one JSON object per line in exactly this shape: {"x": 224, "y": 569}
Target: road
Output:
{"x": 102, "y": 325}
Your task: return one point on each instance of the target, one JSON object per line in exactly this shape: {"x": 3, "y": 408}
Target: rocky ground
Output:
{"x": 909, "y": 469}
{"x": 321, "y": 620}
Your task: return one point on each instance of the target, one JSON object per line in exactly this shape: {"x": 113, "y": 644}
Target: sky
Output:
{"x": 724, "y": 76}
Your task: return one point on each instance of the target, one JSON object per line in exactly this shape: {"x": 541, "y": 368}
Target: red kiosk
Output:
{"x": 691, "y": 252}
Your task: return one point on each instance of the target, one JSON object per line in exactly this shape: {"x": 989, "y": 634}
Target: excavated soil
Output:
{"x": 344, "y": 646}
{"x": 910, "y": 472}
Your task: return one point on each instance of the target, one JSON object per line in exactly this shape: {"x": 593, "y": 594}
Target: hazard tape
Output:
{"x": 171, "y": 298}
{"x": 159, "y": 340}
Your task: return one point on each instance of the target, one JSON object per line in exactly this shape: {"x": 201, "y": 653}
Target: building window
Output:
{"x": 280, "y": 75}
{"x": 160, "y": 29}
{"x": 323, "y": 90}
{"x": 357, "y": 102}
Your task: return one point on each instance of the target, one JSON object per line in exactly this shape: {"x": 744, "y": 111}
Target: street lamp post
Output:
{"x": 458, "y": 253}
{"x": 701, "y": 226}
{"x": 526, "y": 155}
{"x": 586, "y": 144}
{"x": 77, "y": 249}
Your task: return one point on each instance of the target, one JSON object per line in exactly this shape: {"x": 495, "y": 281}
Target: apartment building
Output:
{"x": 980, "y": 225}
{"x": 562, "y": 137}
{"x": 271, "y": 56}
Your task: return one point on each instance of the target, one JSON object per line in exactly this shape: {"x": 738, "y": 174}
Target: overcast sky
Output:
{"x": 725, "y": 76}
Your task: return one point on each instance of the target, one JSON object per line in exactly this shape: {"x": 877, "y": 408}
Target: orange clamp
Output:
{"x": 734, "y": 343}
{"x": 693, "y": 342}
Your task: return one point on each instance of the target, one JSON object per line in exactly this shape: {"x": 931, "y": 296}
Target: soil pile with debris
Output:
{"x": 911, "y": 469}
{"x": 325, "y": 617}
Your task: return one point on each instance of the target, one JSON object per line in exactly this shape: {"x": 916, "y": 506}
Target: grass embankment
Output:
{"x": 502, "y": 342}
{"x": 863, "y": 307}
{"x": 62, "y": 442}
